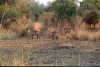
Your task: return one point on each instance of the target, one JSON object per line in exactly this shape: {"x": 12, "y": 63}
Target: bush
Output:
{"x": 21, "y": 26}
{"x": 23, "y": 33}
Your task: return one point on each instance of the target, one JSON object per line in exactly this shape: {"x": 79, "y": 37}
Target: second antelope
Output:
{"x": 54, "y": 35}
{"x": 67, "y": 30}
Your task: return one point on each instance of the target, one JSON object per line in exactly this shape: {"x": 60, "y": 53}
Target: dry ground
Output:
{"x": 46, "y": 52}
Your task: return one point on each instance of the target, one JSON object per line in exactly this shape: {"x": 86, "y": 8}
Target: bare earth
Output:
{"x": 46, "y": 52}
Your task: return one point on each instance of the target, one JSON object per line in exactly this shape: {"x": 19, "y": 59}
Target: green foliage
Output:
{"x": 1, "y": 13}
{"x": 10, "y": 13}
{"x": 10, "y": 2}
{"x": 94, "y": 15}
{"x": 2, "y": 2}
{"x": 13, "y": 13}
{"x": 3, "y": 10}
{"x": 37, "y": 9}
{"x": 92, "y": 18}
{"x": 49, "y": 7}
{"x": 65, "y": 9}
{"x": 81, "y": 12}
{"x": 90, "y": 4}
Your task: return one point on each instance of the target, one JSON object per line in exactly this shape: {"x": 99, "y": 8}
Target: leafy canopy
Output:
{"x": 90, "y": 4}
{"x": 65, "y": 9}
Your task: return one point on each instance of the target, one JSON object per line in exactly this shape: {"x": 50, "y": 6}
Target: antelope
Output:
{"x": 54, "y": 35}
{"x": 67, "y": 30}
{"x": 35, "y": 33}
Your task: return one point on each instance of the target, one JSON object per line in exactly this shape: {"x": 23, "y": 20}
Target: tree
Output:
{"x": 3, "y": 10}
{"x": 36, "y": 9}
{"x": 48, "y": 18}
{"x": 90, "y": 4}
{"x": 13, "y": 13}
{"x": 2, "y": 2}
{"x": 90, "y": 9}
{"x": 49, "y": 7}
{"x": 10, "y": 2}
{"x": 91, "y": 18}
{"x": 8, "y": 15}
{"x": 65, "y": 9}
{"x": 11, "y": 10}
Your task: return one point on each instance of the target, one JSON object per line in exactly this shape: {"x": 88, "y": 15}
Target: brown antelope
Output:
{"x": 34, "y": 33}
{"x": 54, "y": 35}
{"x": 67, "y": 30}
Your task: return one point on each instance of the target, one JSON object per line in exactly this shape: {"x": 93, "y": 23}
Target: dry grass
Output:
{"x": 21, "y": 26}
{"x": 7, "y": 35}
{"x": 17, "y": 59}
{"x": 19, "y": 62}
{"x": 36, "y": 52}
{"x": 83, "y": 35}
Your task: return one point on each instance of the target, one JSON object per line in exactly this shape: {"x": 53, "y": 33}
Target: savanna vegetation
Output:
{"x": 18, "y": 16}
{"x": 68, "y": 20}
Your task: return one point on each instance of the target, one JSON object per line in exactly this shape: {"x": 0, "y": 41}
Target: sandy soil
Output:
{"x": 46, "y": 52}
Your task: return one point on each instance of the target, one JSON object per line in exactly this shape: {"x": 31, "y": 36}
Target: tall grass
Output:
{"x": 19, "y": 61}
{"x": 84, "y": 35}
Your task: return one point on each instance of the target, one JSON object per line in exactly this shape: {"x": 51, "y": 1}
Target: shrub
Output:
{"x": 23, "y": 32}
{"x": 21, "y": 26}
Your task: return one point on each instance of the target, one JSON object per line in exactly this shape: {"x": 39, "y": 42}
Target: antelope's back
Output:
{"x": 35, "y": 32}
{"x": 67, "y": 30}
{"x": 54, "y": 33}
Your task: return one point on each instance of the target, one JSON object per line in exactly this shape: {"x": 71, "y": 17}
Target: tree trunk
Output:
{"x": 2, "y": 17}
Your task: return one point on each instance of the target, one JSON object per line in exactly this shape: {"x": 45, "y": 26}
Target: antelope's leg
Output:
{"x": 32, "y": 36}
{"x": 52, "y": 37}
{"x": 56, "y": 37}
{"x": 37, "y": 36}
